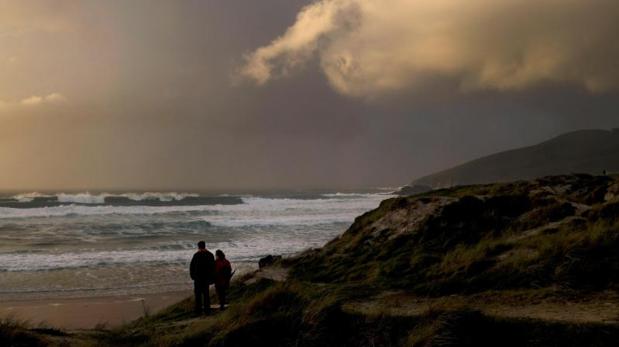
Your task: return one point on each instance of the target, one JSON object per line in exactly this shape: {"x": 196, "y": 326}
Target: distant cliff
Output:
{"x": 584, "y": 151}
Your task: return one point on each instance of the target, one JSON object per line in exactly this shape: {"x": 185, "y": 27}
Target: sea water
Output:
{"x": 75, "y": 245}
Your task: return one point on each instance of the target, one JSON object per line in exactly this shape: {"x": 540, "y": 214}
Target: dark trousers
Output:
{"x": 221, "y": 295}
{"x": 200, "y": 290}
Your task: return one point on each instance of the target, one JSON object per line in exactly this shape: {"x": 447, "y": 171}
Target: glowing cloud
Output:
{"x": 55, "y": 98}
{"x": 35, "y": 100}
{"x": 368, "y": 47}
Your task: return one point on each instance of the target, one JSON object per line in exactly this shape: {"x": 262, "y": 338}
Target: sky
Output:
{"x": 231, "y": 95}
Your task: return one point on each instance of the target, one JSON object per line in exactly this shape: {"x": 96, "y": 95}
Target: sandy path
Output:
{"x": 87, "y": 313}
{"x": 597, "y": 310}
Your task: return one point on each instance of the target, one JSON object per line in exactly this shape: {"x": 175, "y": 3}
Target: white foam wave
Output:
{"x": 171, "y": 196}
{"x": 81, "y": 210}
{"x": 238, "y": 250}
{"x": 272, "y": 220}
{"x": 28, "y": 197}
{"x": 282, "y": 212}
{"x": 287, "y": 204}
{"x": 34, "y": 262}
{"x": 252, "y": 211}
{"x": 82, "y": 198}
{"x": 88, "y": 198}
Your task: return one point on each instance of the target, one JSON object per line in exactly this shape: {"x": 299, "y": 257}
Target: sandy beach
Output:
{"x": 87, "y": 313}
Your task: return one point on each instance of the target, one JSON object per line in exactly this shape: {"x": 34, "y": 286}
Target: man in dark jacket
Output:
{"x": 202, "y": 272}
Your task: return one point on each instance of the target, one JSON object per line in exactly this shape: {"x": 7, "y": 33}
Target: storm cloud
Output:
{"x": 369, "y": 47}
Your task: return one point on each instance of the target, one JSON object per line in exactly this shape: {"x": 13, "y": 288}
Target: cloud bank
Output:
{"x": 369, "y": 47}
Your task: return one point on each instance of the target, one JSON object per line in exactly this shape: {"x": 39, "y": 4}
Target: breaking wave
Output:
{"x": 39, "y": 200}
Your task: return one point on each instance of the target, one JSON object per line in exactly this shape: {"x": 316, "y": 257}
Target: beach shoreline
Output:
{"x": 88, "y": 312}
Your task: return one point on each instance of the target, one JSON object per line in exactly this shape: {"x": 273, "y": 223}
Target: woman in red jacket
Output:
{"x": 223, "y": 273}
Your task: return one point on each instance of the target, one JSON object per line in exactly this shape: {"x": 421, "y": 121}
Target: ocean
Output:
{"x": 79, "y": 245}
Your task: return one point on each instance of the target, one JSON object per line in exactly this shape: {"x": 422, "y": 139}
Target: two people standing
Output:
{"x": 206, "y": 270}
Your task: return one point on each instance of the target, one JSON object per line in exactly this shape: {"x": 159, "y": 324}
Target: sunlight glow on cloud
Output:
{"x": 368, "y": 47}
{"x": 31, "y": 101}
{"x": 53, "y": 98}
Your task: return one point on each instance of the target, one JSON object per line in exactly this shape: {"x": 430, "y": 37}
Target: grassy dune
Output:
{"x": 532, "y": 263}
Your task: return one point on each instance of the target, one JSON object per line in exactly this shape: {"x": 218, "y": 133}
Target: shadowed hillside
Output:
{"x": 585, "y": 151}
{"x": 529, "y": 263}
{"x": 555, "y": 231}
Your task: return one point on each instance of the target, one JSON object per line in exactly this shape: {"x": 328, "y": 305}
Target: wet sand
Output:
{"x": 87, "y": 313}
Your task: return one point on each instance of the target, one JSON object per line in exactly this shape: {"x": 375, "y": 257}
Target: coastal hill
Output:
{"x": 528, "y": 263}
{"x": 583, "y": 151}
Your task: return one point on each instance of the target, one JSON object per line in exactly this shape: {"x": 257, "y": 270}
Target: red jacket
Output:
{"x": 223, "y": 273}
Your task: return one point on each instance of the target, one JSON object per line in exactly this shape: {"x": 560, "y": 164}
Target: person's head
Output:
{"x": 201, "y": 245}
{"x": 220, "y": 254}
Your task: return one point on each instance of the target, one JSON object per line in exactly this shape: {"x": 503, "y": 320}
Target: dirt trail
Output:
{"x": 603, "y": 309}
{"x": 599, "y": 309}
